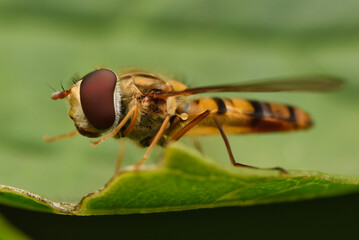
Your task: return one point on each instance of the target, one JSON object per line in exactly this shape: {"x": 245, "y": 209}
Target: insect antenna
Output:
{"x": 62, "y": 87}
{"x": 51, "y": 87}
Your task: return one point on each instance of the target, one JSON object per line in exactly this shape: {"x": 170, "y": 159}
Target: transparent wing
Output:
{"x": 300, "y": 84}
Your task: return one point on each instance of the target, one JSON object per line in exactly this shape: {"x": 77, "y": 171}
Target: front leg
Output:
{"x": 155, "y": 140}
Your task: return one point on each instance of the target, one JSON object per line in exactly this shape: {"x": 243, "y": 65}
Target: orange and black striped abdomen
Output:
{"x": 245, "y": 116}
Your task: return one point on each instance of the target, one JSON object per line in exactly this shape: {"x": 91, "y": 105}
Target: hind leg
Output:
{"x": 202, "y": 116}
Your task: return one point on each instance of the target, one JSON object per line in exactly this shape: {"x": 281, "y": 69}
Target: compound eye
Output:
{"x": 96, "y": 94}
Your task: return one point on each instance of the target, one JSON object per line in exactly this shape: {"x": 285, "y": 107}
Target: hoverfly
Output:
{"x": 153, "y": 111}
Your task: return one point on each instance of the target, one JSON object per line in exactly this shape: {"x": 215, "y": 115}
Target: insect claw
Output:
{"x": 46, "y": 139}
{"x": 282, "y": 170}
{"x": 137, "y": 166}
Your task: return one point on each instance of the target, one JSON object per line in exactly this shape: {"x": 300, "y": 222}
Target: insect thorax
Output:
{"x": 151, "y": 112}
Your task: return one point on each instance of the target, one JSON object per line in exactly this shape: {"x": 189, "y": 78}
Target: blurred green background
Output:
{"x": 203, "y": 42}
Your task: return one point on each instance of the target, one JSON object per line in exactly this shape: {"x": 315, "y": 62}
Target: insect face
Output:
{"x": 95, "y": 102}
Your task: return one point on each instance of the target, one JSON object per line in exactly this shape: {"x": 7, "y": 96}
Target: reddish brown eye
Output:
{"x": 96, "y": 93}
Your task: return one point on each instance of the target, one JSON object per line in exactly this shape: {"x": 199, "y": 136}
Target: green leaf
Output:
{"x": 187, "y": 181}
{"x": 7, "y": 231}
{"x": 43, "y": 43}
{"x": 20, "y": 198}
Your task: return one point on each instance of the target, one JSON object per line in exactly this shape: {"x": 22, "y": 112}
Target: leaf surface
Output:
{"x": 186, "y": 181}
{"x": 7, "y": 231}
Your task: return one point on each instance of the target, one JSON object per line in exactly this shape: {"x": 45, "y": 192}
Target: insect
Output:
{"x": 153, "y": 111}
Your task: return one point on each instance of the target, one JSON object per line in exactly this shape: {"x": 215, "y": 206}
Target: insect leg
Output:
{"x": 59, "y": 137}
{"x": 132, "y": 125}
{"x": 189, "y": 126}
{"x": 155, "y": 140}
{"x": 121, "y": 153}
{"x": 118, "y": 128}
{"x": 197, "y": 145}
{"x": 202, "y": 116}
{"x": 231, "y": 157}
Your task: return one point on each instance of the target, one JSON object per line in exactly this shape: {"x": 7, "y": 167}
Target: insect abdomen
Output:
{"x": 247, "y": 116}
